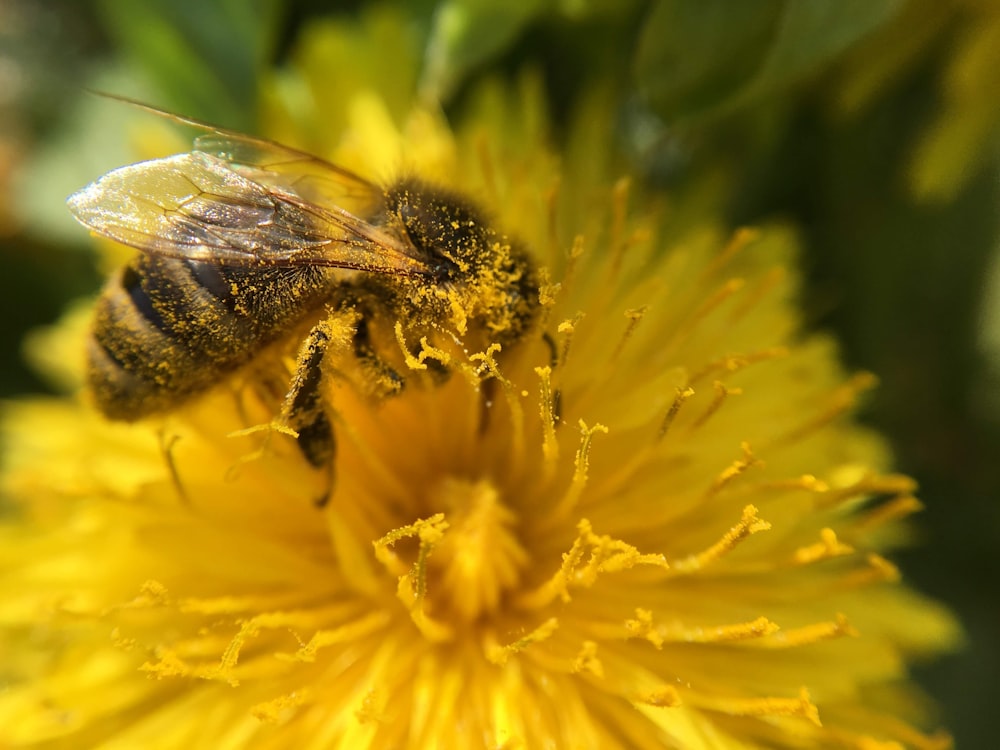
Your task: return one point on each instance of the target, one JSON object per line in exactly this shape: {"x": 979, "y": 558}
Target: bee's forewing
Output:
{"x": 199, "y": 207}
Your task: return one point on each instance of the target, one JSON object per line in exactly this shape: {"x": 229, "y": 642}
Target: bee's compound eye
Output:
{"x": 412, "y": 219}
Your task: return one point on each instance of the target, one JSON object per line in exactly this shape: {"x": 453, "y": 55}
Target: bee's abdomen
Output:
{"x": 166, "y": 329}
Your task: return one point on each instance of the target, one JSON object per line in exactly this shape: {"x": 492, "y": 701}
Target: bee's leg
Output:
{"x": 383, "y": 381}
{"x": 304, "y": 410}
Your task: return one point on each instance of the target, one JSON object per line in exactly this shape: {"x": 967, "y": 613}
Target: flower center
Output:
{"x": 479, "y": 556}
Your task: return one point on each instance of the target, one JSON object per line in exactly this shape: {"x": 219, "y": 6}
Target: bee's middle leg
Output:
{"x": 381, "y": 379}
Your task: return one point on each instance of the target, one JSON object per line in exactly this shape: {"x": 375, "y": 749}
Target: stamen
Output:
{"x": 587, "y": 661}
{"x": 828, "y": 546}
{"x": 546, "y": 407}
{"x": 274, "y": 710}
{"x": 548, "y": 292}
{"x": 487, "y": 361}
{"x": 429, "y": 351}
{"x": 749, "y": 524}
{"x": 351, "y": 632}
{"x": 802, "y": 706}
{"x": 734, "y": 470}
{"x": 634, "y": 317}
{"x": 498, "y": 654}
{"x": 581, "y": 465}
{"x": 664, "y": 697}
{"x": 607, "y": 555}
{"x": 644, "y": 627}
{"x": 265, "y": 428}
{"x": 683, "y": 394}
{"x": 722, "y": 391}
{"x": 412, "y": 587}
{"x": 566, "y": 329}
{"x": 809, "y": 634}
{"x": 151, "y": 594}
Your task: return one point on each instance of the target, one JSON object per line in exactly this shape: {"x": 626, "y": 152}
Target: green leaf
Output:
{"x": 205, "y": 55}
{"x": 92, "y": 140}
{"x": 705, "y": 58}
{"x": 466, "y": 33}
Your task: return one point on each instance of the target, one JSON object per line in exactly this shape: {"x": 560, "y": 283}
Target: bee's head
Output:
{"x": 477, "y": 274}
{"x": 448, "y": 234}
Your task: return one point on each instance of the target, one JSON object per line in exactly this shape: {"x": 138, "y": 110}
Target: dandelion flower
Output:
{"x": 650, "y": 523}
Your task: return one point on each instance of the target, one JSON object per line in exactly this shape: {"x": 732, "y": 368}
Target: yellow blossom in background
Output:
{"x": 655, "y": 526}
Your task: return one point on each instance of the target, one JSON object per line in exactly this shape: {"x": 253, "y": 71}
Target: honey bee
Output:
{"x": 245, "y": 241}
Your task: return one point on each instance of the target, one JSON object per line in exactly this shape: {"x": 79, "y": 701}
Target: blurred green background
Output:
{"x": 873, "y": 125}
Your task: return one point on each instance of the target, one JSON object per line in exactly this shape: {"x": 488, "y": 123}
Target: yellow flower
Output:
{"x": 656, "y": 526}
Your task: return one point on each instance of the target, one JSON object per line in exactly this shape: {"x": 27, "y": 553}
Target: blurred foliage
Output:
{"x": 871, "y": 124}
{"x": 203, "y": 57}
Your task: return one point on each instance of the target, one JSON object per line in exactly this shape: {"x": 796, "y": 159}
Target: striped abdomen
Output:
{"x": 166, "y": 329}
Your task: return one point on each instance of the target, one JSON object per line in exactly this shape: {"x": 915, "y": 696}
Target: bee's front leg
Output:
{"x": 304, "y": 410}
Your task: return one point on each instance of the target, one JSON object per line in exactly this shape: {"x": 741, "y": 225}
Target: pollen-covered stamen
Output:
{"x": 735, "y": 469}
{"x": 499, "y": 654}
{"x": 683, "y": 394}
{"x": 581, "y": 471}
{"x": 722, "y": 391}
{"x": 644, "y": 627}
{"x": 479, "y": 558}
{"x": 634, "y": 318}
{"x": 488, "y": 365}
{"x": 801, "y": 707}
{"x": 546, "y": 407}
{"x": 808, "y": 634}
{"x": 590, "y": 556}
{"x": 749, "y": 524}
{"x": 413, "y": 587}
{"x": 566, "y": 329}
{"x": 828, "y": 546}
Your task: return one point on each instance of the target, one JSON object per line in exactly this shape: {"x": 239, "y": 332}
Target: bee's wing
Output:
{"x": 310, "y": 177}
{"x": 199, "y": 207}
{"x": 275, "y": 164}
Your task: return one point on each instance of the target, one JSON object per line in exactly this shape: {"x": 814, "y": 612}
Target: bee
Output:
{"x": 245, "y": 241}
